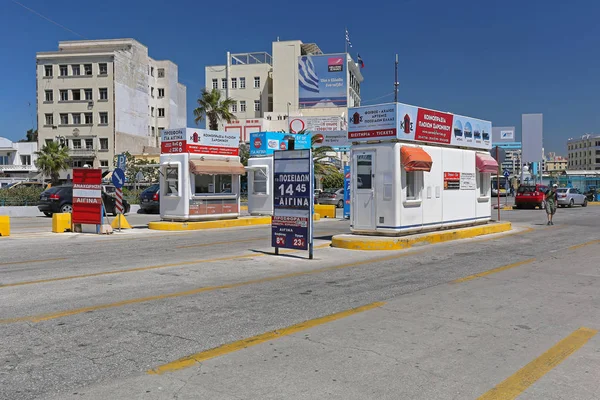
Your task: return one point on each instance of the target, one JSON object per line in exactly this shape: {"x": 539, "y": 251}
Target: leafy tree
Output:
{"x": 134, "y": 165}
{"x": 52, "y": 159}
{"x": 213, "y": 108}
{"x": 31, "y": 136}
{"x": 244, "y": 154}
{"x": 334, "y": 180}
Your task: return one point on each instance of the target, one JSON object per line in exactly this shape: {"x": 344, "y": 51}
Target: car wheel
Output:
{"x": 66, "y": 208}
{"x": 47, "y": 214}
{"x": 584, "y": 203}
{"x": 340, "y": 204}
{"x": 571, "y": 203}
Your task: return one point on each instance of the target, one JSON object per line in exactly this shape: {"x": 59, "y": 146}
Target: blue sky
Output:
{"x": 490, "y": 60}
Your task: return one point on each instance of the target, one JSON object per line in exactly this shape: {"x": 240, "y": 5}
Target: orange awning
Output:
{"x": 216, "y": 167}
{"x": 415, "y": 159}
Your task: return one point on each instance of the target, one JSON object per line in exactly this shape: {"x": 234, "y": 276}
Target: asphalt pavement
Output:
{"x": 214, "y": 314}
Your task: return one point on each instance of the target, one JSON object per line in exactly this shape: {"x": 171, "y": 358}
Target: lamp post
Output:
{"x": 288, "y": 117}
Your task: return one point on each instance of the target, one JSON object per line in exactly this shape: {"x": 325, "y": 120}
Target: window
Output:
{"x": 103, "y": 143}
{"x": 75, "y": 69}
{"x": 26, "y": 160}
{"x": 87, "y": 68}
{"x": 48, "y": 70}
{"x": 76, "y": 94}
{"x": 89, "y": 118}
{"x": 88, "y": 94}
{"x": 103, "y": 94}
{"x": 104, "y": 163}
{"x": 224, "y": 83}
{"x": 64, "y": 119}
{"x": 76, "y": 144}
{"x": 76, "y": 118}
{"x": 153, "y": 131}
{"x": 259, "y": 178}
{"x": 242, "y": 105}
{"x": 64, "y": 95}
{"x": 151, "y": 71}
{"x": 64, "y": 70}
{"x": 89, "y": 144}
{"x": 484, "y": 184}
{"x": 234, "y": 83}
{"x": 161, "y": 112}
{"x": 242, "y": 83}
{"x": 77, "y": 163}
{"x": 103, "y": 67}
{"x": 152, "y": 92}
{"x": 364, "y": 171}
{"x": 3, "y": 160}
{"x": 104, "y": 118}
{"x": 172, "y": 180}
{"x": 161, "y": 72}
{"x": 413, "y": 187}
{"x": 161, "y": 93}
{"x": 49, "y": 95}
{"x": 152, "y": 111}
{"x": 234, "y": 107}
{"x": 212, "y": 184}
{"x": 160, "y": 129}
{"x": 215, "y": 83}
{"x": 257, "y": 82}
{"x": 256, "y": 105}
{"x": 49, "y": 119}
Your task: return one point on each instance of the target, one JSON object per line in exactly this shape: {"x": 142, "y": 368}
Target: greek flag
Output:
{"x": 307, "y": 76}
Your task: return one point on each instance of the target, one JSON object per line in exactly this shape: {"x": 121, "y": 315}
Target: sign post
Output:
{"x": 507, "y": 186}
{"x": 347, "y": 192}
{"x": 293, "y": 201}
{"x": 87, "y": 197}
{"x": 118, "y": 179}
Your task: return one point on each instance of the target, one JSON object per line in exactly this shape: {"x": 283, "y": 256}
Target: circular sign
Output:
{"x": 297, "y": 125}
{"x": 257, "y": 143}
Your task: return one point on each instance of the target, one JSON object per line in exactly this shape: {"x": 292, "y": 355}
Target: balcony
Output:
{"x": 82, "y": 152}
{"x": 18, "y": 168}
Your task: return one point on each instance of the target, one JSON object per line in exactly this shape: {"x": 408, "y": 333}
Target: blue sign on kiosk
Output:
{"x": 347, "y": 191}
{"x": 118, "y": 178}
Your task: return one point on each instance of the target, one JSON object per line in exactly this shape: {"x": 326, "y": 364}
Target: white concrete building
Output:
{"x": 104, "y": 97}
{"x": 266, "y": 87}
{"x": 584, "y": 153}
{"x": 17, "y": 161}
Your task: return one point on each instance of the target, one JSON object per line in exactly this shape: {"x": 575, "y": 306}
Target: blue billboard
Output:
{"x": 347, "y": 192}
{"x": 263, "y": 144}
{"x": 322, "y": 81}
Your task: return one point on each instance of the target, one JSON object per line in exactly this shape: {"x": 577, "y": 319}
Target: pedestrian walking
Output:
{"x": 551, "y": 203}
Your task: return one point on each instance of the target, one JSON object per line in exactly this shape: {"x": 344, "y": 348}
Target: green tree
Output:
{"x": 334, "y": 180}
{"x": 244, "y": 154}
{"x": 52, "y": 159}
{"x": 30, "y": 136}
{"x": 134, "y": 165}
{"x": 213, "y": 108}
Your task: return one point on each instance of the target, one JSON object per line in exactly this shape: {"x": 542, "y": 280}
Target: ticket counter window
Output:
{"x": 212, "y": 184}
{"x": 259, "y": 178}
{"x": 413, "y": 185}
{"x": 364, "y": 167}
{"x": 483, "y": 183}
{"x": 172, "y": 180}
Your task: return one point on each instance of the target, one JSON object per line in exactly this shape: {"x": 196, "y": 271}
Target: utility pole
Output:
{"x": 396, "y": 82}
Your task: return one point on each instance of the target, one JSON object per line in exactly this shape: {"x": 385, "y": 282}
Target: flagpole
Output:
{"x": 346, "y": 40}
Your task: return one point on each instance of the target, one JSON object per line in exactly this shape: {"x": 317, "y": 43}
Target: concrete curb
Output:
{"x": 220, "y": 224}
{"x": 33, "y": 211}
{"x": 358, "y": 242}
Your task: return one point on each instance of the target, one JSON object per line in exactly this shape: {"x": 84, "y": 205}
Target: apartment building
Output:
{"x": 584, "y": 153}
{"x": 269, "y": 88}
{"x": 17, "y": 161}
{"x": 555, "y": 164}
{"x": 104, "y": 97}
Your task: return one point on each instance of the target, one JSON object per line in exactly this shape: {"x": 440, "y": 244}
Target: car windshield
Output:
{"x": 562, "y": 190}
{"x": 152, "y": 189}
{"x": 526, "y": 189}
{"x": 329, "y": 191}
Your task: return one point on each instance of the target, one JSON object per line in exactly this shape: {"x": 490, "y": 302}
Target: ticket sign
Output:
{"x": 87, "y": 196}
{"x": 293, "y": 203}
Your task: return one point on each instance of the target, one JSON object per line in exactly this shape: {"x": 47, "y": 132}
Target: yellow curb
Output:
{"x": 593, "y": 203}
{"x": 225, "y": 223}
{"x": 358, "y": 242}
{"x": 4, "y": 225}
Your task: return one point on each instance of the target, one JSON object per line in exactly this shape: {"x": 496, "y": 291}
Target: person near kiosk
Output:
{"x": 551, "y": 203}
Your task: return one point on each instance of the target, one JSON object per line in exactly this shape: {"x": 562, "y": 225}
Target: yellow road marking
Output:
{"x": 189, "y": 361}
{"x": 190, "y": 246}
{"x": 512, "y": 387}
{"x": 31, "y": 261}
{"x": 67, "y": 313}
{"x": 503, "y": 235}
{"x": 493, "y": 271}
{"x": 578, "y": 246}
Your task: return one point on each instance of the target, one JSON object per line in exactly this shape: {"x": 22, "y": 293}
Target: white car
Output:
{"x": 570, "y": 197}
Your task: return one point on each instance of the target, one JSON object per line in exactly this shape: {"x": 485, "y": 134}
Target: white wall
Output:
{"x": 285, "y": 75}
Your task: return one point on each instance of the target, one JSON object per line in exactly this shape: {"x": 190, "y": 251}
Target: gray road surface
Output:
{"x": 86, "y": 316}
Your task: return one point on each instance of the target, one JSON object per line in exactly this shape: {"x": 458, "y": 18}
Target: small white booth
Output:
{"x": 415, "y": 169}
{"x": 199, "y": 175}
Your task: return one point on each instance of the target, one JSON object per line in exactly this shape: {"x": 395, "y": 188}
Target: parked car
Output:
{"x": 59, "y": 199}
{"x": 571, "y": 197}
{"x": 531, "y": 196}
{"x": 317, "y": 192}
{"x": 150, "y": 199}
{"x": 332, "y": 197}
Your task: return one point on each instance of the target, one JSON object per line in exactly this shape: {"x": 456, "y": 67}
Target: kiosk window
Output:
{"x": 172, "y": 180}
{"x": 413, "y": 185}
{"x": 364, "y": 171}
{"x": 259, "y": 178}
{"x": 212, "y": 184}
{"x": 483, "y": 183}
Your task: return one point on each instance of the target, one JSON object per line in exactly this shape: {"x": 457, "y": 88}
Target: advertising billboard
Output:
{"x": 265, "y": 143}
{"x": 532, "y": 131}
{"x": 412, "y": 123}
{"x": 199, "y": 141}
{"x": 322, "y": 81}
{"x": 503, "y": 134}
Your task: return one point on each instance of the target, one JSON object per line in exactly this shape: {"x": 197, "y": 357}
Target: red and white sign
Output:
{"x": 433, "y": 126}
{"x": 87, "y": 196}
{"x": 199, "y": 141}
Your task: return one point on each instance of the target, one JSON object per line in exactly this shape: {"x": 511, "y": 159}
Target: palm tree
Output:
{"x": 213, "y": 108}
{"x": 320, "y": 156}
{"x": 52, "y": 159}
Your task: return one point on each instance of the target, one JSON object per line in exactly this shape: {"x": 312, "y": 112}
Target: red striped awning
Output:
{"x": 486, "y": 163}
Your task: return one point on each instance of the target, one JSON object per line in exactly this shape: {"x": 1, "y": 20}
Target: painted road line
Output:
{"x": 579, "y": 246}
{"x": 149, "y": 268}
{"x": 30, "y": 261}
{"x": 191, "y": 360}
{"x": 67, "y": 313}
{"x": 501, "y": 235}
{"x": 512, "y": 387}
{"x": 254, "y": 239}
{"x": 493, "y": 271}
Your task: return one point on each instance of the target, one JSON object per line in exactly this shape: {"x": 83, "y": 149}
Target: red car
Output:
{"x": 530, "y": 196}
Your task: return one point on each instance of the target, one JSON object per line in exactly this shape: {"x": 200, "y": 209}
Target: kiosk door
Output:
{"x": 363, "y": 206}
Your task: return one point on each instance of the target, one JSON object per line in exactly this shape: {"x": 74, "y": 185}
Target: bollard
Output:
{"x": 61, "y": 222}
{"x": 326, "y": 211}
{"x": 4, "y": 225}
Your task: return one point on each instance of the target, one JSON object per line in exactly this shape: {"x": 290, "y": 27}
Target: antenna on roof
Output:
{"x": 278, "y": 38}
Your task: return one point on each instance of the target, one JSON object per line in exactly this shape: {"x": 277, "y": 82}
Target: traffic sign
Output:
{"x": 118, "y": 178}
{"x": 506, "y": 173}
{"x": 122, "y": 162}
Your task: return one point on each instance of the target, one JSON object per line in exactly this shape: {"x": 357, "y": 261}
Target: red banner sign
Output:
{"x": 87, "y": 196}
{"x": 434, "y": 126}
